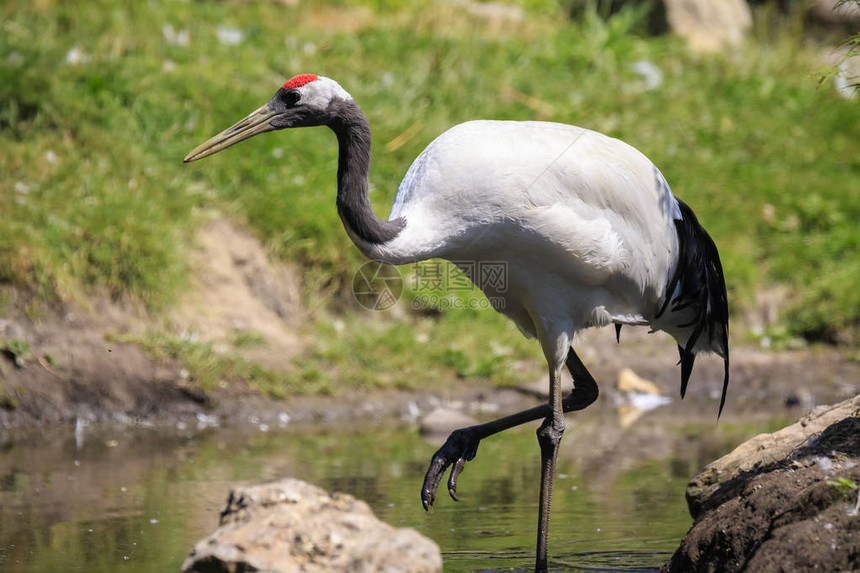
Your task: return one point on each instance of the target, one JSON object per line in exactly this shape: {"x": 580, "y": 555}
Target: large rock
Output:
{"x": 292, "y": 526}
{"x": 836, "y": 12}
{"x": 442, "y": 421}
{"x": 764, "y": 450}
{"x": 709, "y": 25}
{"x": 787, "y": 501}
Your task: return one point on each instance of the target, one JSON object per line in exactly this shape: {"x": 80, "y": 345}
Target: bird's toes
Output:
{"x": 437, "y": 468}
{"x": 427, "y": 499}
{"x": 460, "y": 447}
{"x": 456, "y": 469}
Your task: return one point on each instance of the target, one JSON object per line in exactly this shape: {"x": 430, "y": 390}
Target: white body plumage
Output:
{"x": 597, "y": 210}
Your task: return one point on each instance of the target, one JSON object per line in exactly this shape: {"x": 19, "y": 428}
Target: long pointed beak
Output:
{"x": 257, "y": 122}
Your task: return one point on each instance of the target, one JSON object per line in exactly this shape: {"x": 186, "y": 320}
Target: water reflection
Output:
{"x": 136, "y": 499}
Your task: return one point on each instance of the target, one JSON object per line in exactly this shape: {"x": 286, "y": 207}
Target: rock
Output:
{"x": 494, "y": 13}
{"x": 629, "y": 381}
{"x": 763, "y": 450}
{"x": 847, "y": 77}
{"x": 787, "y": 501}
{"x": 846, "y": 66}
{"x": 11, "y": 330}
{"x": 637, "y": 396}
{"x": 709, "y": 25}
{"x": 649, "y": 73}
{"x": 443, "y": 421}
{"x": 292, "y": 526}
{"x": 835, "y": 12}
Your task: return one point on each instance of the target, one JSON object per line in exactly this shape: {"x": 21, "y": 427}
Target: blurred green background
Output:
{"x": 100, "y": 101}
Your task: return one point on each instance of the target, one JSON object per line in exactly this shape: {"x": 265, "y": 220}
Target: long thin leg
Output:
{"x": 462, "y": 444}
{"x": 549, "y": 437}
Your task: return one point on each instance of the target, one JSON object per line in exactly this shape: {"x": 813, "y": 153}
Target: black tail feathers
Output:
{"x": 701, "y": 286}
{"x": 687, "y": 359}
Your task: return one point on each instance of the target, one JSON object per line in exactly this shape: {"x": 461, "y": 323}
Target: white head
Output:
{"x": 315, "y": 91}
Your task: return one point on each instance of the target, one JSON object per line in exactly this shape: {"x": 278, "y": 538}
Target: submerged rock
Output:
{"x": 787, "y": 501}
{"x": 292, "y": 526}
{"x": 442, "y": 421}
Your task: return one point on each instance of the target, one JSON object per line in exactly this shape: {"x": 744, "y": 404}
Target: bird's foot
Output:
{"x": 549, "y": 433}
{"x": 460, "y": 447}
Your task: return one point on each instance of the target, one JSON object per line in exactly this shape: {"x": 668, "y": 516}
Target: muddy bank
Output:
{"x": 77, "y": 360}
{"x": 93, "y": 378}
{"x": 78, "y": 369}
{"x": 787, "y": 501}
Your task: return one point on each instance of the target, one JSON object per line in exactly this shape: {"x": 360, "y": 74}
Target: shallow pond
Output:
{"x": 136, "y": 499}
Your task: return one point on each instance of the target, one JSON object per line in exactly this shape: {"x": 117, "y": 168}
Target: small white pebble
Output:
{"x": 650, "y": 74}
{"x": 175, "y": 38}
{"x": 229, "y": 36}
{"x": 76, "y": 57}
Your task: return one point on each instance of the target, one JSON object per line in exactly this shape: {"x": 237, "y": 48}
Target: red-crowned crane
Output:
{"x": 586, "y": 225}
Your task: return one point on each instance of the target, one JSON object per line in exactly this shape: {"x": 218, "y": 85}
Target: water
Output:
{"x": 135, "y": 499}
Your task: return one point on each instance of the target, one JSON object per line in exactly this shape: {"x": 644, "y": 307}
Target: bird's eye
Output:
{"x": 291, "y": 98}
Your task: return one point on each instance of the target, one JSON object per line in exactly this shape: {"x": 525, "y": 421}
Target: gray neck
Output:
{"x": 353, "y": 168}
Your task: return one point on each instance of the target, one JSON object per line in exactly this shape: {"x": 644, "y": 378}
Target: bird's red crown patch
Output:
{"x": 299, "y": 81}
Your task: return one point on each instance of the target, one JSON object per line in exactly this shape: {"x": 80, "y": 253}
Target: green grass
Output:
{"x": 97, "y": 109}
